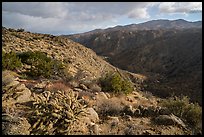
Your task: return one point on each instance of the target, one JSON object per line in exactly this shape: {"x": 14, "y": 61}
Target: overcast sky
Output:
{"x": 75, "y": 17}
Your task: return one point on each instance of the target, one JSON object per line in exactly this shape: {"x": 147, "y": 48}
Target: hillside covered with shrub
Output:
{"x": 54, "y": 86}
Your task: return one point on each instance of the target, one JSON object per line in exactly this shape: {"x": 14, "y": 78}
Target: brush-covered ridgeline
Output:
{"x": 54, "y": 86}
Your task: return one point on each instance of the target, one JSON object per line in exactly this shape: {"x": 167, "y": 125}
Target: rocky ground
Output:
{"x": 106, "y": 114}
{"x": 76, "y": 106}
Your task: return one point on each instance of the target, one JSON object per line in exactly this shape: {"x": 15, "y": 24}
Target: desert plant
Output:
{"x": 10, "y": 61}
{"x": 111, "y": 107}
{"x": 54, "y": 116}
{"x": 41, "y": 65}
{"x": 20, "y": 30}
{"x": 60, "y": 85}
{"x": 193, "y": 114}
{"x": 181, "y": 107}
{"x": 115, "y": 83}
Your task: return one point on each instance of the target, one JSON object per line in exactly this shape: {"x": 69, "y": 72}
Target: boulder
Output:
{"x": 82, "y": 86}
{"x": 74, "y": 83}
{"x": 94, "y": 88}
{"x": 14, "y": 125}
{"x": 164, "y": 120}
{"x": 41, "y": 85}
{"x": 12, "y": 84}
{"x": 178, "y": 121}
{"x": 8, "y": 77}
{"x": 92, "y": 115}
{"x": 169, "y": 120}
{"x": 101, "y": 95}
{"x": 24, "y": 96}
{"x": 78, "y": 89}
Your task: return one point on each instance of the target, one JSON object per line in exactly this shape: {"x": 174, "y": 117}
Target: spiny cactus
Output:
{"x": 54, "y": 113}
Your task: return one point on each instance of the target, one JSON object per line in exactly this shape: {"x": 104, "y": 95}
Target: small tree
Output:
{"x": 10, "y": 61}
{"x": 113, "y": 82}
{"x": 41, "y": 65}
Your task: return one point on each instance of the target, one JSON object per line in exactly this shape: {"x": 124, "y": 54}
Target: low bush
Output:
{"x": 110, "y": 107}
{"x": 10, "y": 61}
{"x": 113, "y": 82}
{"x": 41, "y": 65}
{"x": 57, "y": 86}
{"x": 181, "y": 107}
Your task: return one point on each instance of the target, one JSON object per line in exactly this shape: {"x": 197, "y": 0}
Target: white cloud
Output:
{"x": 65, "y": 17}
{"x": 180, "y": 7}
{"x": 140, "y": 13}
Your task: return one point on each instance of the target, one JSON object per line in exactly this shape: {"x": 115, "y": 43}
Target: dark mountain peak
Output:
{"x": 150, "y": 25}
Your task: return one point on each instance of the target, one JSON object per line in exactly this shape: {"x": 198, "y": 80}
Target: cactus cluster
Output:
{"x": 53, "y": 113}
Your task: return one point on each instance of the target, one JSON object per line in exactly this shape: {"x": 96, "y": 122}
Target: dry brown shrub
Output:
{"x": 111, "y": 107}
{"x": 57, "y": 86}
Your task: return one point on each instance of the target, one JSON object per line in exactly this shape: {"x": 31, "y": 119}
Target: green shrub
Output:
{"x": 193, "y": 114}
{"x": 181, "y": 107}
{"x": 41, "y": 65}
{"x": 114, "y": 83}
{"x": 20, "y": 30}
{"x": 10, "y": 61}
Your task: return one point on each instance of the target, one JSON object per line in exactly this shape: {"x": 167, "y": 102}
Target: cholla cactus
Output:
{"x": 54, "y": 113}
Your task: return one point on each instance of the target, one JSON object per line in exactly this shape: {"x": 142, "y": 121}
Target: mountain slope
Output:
{"x": 53, "y": 106}
{"x": 171, "y": 49}
{"x": 75, "y": 55}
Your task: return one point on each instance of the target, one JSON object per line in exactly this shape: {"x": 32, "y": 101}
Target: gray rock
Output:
{"x": 178, "y": 121}
{"x": 95, "y": 88}
{"x": 164, "y": 120}
{"x": 74, "y": 84}
{"x": 12, "y": 84}
{"x": 102, "y": 95}
{"x": 169, "y": 120}
{"x": 7, "y": 77}
{"x": 92, "y": 115}
{"x": 15, "y": 125}
{"x": 82, "y": 86}
{"x": 41, "y": 85}
{"x": 78, "y": 89}
{"x": 21, "y": 87}
{"x": 25, "y": 96}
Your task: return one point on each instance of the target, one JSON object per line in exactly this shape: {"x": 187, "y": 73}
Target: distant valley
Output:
{"x": 168, "y": 52}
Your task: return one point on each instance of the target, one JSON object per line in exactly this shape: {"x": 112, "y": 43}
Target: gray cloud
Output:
{"x": 180, "y": 7}
{"x": 75, "y": 17}
{"x": 36, "y": 9}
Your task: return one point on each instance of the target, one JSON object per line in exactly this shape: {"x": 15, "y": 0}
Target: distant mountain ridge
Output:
{"x": 152, "y": 25}
{"x": 168, "y": 48}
